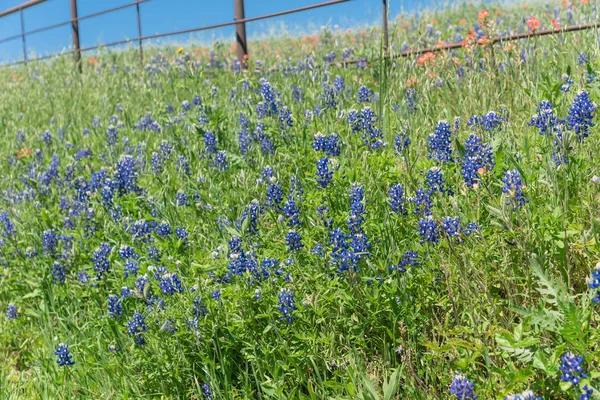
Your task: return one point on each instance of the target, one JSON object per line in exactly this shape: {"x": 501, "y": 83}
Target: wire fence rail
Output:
{"x": 239, "y": 22}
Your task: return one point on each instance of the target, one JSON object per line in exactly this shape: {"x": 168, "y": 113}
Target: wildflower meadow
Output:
{"x": 328, "y": 223}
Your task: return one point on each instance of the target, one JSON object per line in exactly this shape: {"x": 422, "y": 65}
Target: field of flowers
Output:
{"x": 423, "y": 227}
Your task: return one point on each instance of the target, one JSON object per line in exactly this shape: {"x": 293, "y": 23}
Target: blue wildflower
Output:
{"x": 100, "y": 259}
{"x": 462, "y": 388}
{"x": 364, "y": 95}
{"x": 293, "y": 240}
{"x": 513, "y": 187}
{"x": 581, "y": 115}
{"x": 396, "y": 199}
{"x": 572, "y": 368}
{"x": 115, "y": 307}
{"x": 286, "y": 305}
{"x": 408, "y": 259}
{"x": 136, "y": 326}
{"x": 439, "y": 143}
{"x": 12, "y": 312}
{"x": 478, "y": 157}
{"x": 428, "y": 229}
{"x": 65, "y": 358}
{"x": 58, "y": 273}
{"x": 221, "y": 162}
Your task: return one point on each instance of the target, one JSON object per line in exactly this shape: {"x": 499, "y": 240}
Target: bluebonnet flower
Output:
{"x": 583, "y": 58}
{"x": 244, "y": 137}
{"x": 65, "y": 358}
{"x": 296, "y": 93}
{"x": 411, "y": 100}
{"x": 131, "y": 268}
{"x": 325, "y": 169}
{"x": 100, "y": 260}
{"x": 49, "y": 242}
{"x": 163, "y": 229}
{"x": 136, "y": 326}
{"x": 58, "y": 273}
{"x": 47, "y": 137}
{"x": 268, "y": 96}
{"x": 338, "y": 84}
{"x": 285, "y": 118}
{"x": 513, "y": 187}
{"x": 435, "y": 181}
{"x": 207, "y": 393}
{"x": 363, "y": 122}
{"x": 115, "y": 307}
{"x": 439, "y": 143}
{"x": 210, "y": 143}
{"x": 291, "y": 211}
{"x": 251, "y": 212}
{"x": 587, "y": 392}
{"x": 216, "y": 295}
{"x": 396, "y": 195}
{"x": 341, "y": 254}
{"x": 565, "y": 87}
{"x": 126, "y": 252}
{"x": 492, "y": 121}
{"x": 286, "y": 305}
{"x": 83, "y": 277}
{"x": 221, "y": 162}
{"x": 422, "y": 202}
{"x": 408, "y": 259}
{"x": 572, "y": 368}
{"x": 112, "y": 136}
{"x": 12, "y": 312}
{"x": 364, "y": 95}
{"x": 274, "y": 194}
{"x": 318, "y": 250}
{"x": 166, "y": 149}
{"x": 401, "y": 143}
{"x": 181, "y": 199}
{"x": 362, "y": 62}
{"x": 329, "y": 97}
{"x": 357, "y": 209}
{"x": 462, "y": 388}
{"x": 170, "y": 284}
{"x": 183, "y": 166}
{"x": 545, "y": 120}
{"x": 153, "y": 253}
{"x": 126, "y": 175}
{"x": 181, "y": 233}
{"x": 581, "y": 115}
{"x": 594, "y": 283}
{"x": 293, "y": 240}
{"x": 83, "y": 153}
{"x": 452, "y": 227}
{"x": 591, "y": 78}
{"x": 478, "y": 157}
{"x": 330, "y": 145}
{"x": 329, "y": 57}
{"x": 428, "y": 229}
{"x": 470, "y": 228}
{"x": 526, "y": 395}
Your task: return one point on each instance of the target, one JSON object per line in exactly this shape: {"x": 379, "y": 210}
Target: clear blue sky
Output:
{"x": 159, "y": 16}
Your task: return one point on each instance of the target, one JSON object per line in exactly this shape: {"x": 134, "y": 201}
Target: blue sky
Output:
{"x": 161, "y": 16}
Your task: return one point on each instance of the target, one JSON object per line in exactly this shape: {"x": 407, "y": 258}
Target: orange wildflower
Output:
{"x": 426, "y": 58}
{"x": 533, "y": 23}
{"x": 482, "y": 15}
{"x": 556, "y": 25}
{"x": 24, "y": 152}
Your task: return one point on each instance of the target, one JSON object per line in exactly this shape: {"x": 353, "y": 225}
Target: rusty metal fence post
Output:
{"x": 75, "y": 34}
{"x": 386, "y": 43}
{"x": 240, "y": 33}
{"x": 23, "y": 36}
{"x": 139, "y": 24}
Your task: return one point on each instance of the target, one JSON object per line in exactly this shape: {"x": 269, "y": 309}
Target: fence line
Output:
{"x": 240, "y": 24}
{"x": 239, "y": 21}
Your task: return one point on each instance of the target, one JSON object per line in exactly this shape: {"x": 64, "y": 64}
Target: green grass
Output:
{"x": 501, "y": 307}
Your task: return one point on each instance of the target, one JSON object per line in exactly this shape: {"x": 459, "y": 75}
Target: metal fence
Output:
{"x": 239, "y": 21}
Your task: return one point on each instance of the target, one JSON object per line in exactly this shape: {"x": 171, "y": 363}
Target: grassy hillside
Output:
{"x": 425, "y": 227}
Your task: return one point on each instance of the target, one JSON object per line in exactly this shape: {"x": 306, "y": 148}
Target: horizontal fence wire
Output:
{"x": 159, "y": 35}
